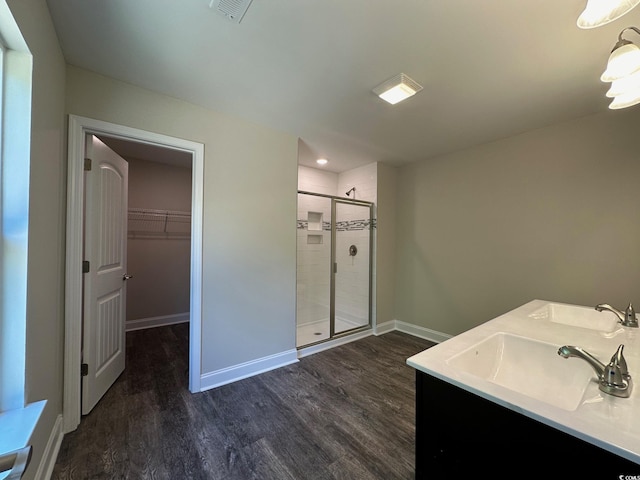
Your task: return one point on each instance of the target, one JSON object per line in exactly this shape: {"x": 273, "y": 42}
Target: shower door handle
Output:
{"x": 335, "y": 267}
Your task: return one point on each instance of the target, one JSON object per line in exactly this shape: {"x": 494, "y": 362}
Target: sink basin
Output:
{"x": 577, "y": 316}
{"x": 529, "y": 367}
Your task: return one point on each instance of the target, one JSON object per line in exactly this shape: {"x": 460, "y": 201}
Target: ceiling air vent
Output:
{"x": 234, "y": 10}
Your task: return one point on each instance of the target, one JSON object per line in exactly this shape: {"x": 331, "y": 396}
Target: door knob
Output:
{"x": 126, "y": 276}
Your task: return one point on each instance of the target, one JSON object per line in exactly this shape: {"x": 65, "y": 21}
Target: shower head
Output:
{"x": 353, "y": 189}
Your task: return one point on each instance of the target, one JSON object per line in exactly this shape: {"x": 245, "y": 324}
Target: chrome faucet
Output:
{"x": 626, "y": 318}
{"x": 613, "y": 378}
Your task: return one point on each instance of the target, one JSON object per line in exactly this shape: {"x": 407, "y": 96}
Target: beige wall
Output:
{"x": 386, "y": 243}
{"x": 45, "y": 287}
{"x": 550, "y": 214}
{"x": 159, "y": 185}
{"x": 160, "y": 264}
{"x": 249, "y": 242}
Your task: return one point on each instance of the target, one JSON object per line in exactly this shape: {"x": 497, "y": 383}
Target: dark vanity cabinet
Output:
{"x": 460, "y": 435}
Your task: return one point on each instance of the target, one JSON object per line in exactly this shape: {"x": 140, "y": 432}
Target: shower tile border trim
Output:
{"x": 342, "y": 226}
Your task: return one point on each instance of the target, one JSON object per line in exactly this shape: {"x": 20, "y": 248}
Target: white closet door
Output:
{"x": 104, "y": 285}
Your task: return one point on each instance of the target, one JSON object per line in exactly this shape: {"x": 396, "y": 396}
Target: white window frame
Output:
{"x": 17, "y": 419}
{"x": 14, "y": 204}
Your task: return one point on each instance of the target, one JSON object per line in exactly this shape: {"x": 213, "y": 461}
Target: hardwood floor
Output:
{"x": 345, "y": 413}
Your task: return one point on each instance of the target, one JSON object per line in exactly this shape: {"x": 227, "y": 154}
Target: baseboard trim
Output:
{"x": 422, "y": 332}
{"x": 306, "y": 351}
{"x": 152, "y": 322}
{"x": 248, "y": 369}
{"x": 50, "y": 455}
{"x": 415, "y": 330}
{"x": 385, "y": 327}
{"x": 254, "y": 367}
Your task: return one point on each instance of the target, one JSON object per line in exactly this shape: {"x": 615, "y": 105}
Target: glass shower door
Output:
{"x": 313, "y": 306}
{"x": 351, "y": 304}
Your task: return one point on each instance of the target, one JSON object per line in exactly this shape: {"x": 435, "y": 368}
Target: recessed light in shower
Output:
{"x": 322, "y": 161}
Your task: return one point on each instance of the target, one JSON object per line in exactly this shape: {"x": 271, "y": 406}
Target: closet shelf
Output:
{"x": 150, "y": 223}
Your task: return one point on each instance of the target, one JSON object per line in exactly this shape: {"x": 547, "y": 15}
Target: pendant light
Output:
{"x": 627, "y": 99}
{"x": 601, "y": 12}
{"x": 623, "y": 71}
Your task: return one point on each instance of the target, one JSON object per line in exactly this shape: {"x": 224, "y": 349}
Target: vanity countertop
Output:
{"x": 606, "y": 421}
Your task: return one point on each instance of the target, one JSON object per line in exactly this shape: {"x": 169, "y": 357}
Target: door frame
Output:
{"x": 79, "y": 127}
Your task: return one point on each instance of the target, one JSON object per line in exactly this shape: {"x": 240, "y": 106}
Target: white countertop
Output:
{"x": 609, "y": 422}
{"x": 17, "y": 426}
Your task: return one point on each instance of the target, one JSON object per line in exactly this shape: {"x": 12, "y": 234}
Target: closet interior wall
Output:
{"x": 158, "y": 244}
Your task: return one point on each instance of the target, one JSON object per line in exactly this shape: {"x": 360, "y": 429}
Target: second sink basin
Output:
{"x": 529, "y": 367}
{"x": 577, "y": 316}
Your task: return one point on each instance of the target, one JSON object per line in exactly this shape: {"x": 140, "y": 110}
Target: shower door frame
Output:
{"x": 333, "y": 266}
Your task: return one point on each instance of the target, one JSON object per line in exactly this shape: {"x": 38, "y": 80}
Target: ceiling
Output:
{"x": 490, "y": 69}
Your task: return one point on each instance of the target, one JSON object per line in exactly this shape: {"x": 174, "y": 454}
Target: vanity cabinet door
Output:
{"x": 462, "y": 435}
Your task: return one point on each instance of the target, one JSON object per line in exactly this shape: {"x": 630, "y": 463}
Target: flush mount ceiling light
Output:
{"x": 623, "y": 71}
{"x": 397, "y": 88}
{"x": 322, "y": 161}
{"x": 601, "y": 12}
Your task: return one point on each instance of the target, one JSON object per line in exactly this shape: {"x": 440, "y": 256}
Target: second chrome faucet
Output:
{"x": 626, "y": 318}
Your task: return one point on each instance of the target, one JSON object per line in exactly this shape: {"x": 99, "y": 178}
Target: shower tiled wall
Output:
{"x": 364, "y": 178}
{"x": 317, "y": 181}
{"x": 314, "y": 261}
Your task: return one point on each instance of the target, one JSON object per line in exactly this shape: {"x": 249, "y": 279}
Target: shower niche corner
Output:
{"x": 314, "y": 239}
{"x": 333, "y": 284}
{"x": 314, "y": 221}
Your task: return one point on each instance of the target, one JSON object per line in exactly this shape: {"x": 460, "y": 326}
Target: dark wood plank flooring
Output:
{"x": 346, "y": 413}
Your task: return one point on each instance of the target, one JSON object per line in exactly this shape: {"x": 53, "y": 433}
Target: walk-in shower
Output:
{"x": 333, "y": 267}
